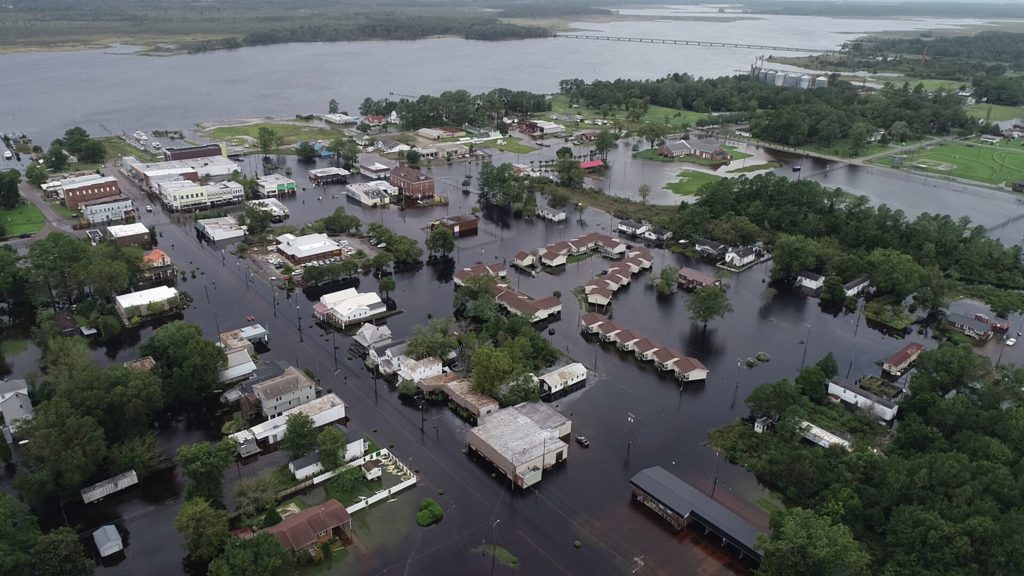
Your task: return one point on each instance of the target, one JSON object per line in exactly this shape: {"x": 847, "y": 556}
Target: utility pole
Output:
{"x": 629, "y": 430}
{"x": 807, "y": 338}
{"x": 298, "y": 318}
{"x": 715, "y": 482}
{"x": 494, "y": 544}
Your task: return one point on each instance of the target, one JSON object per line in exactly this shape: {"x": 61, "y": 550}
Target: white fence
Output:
{"x": 378, "y": 455}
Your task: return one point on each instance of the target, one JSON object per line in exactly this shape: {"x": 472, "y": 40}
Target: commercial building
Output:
{"x": 111, "y": 209}
{"x": 135, "y": 234}
{"x": 290, "y": 389}
{"x": 218, "y": 229}
{"x": 226, "y": 192}
{"x": 278, "y": 211}
{"x": 461, "y": 225}
{"x": 137, "y": 305}
{"x": 322, "y": 411}
{"x": 330, "y": 175}
{"x": 80, "y": 189}
{"x": 522, "y": 441}
{"x": 412, "y": 183}
{"x": 178, "y": 195}
{"x": 681, "y": 504}
{"x": 375, "y": 193}
{"x": 348, "y": 306}
{"x": 193, "y": 152}
{"x": 375, "y": 167}
{"x": 541, "y": 128}
{"x": 303, "y": 249}
{"x": 214, "y": 168}
{"x": 274, "y": 185}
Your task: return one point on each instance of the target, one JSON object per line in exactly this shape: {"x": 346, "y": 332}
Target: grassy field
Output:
{"x": 689, "y": 182}
{"x": 290, "y": 133}
{"x": 842, "y": 149}
{"x": 513, "y": 145}
{"x": 25, "y": 219}
{"x": 756, "y": 167}
{"x": 998, "y": 113}
{"x": 655, "y": 114}
{"x": 13, "y": 346}
{"x": 989, "y": 164}
{"x": 116, "y": 148}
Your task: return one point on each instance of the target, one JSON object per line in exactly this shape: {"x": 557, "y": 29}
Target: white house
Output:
{"x": 599, "y": 296}
{"x": 15, "y": 404}
{"x": 563, "y": 378}
{"x": 689, "y": 369}
{"x": 856, "y": 286}
{"x": 289, "y": 390}
{"x": 810, "y": 281}
{"x": 369, "y": 336}
{"x": 741, "y": 256}
{"x": 376, "y": 193}
{"x": 658, "y": 235}
{"x": 524, "y": 260}
{"x": 240, "y": 367}
{"x": 416, "y": 370}
{"x": 348, "y": 306}
{"x": 322, "y": 411}
{"x": 884, "y": 408}
{"x": 310, "y": 465}
{"x": 631, "y": 228}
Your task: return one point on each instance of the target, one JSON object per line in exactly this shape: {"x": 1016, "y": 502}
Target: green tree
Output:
{"x": 652, "y": 133}
{"x": 569, "y": 172}
{"x": 256, "y": 220}
{"x": 812, "y": 383}
{"x": 832, "y": 291}
{"x": 387, "y": 286}
{"x": 299, "y": 435}
{"x": 306, "y": 151}
{"x": 267, "y": 139}
{"x": 92, "y": 152}
{"x": 707, "y": 303}
{"x": 899, "y": 131}
{"x": 55, "y": 157}
{"x": 9, "y": 196}
{"x": 604, "y": 143}
{"x": 18, "y": 534}
{"x": 345, "y": 151}
{"x": 203, "y": 464}
{"x": 407, "y": 388}
{"x": 331, "y": 443}
{"x": 828, "y": 365}
{"x": 893, "y": 272}
{"x": 644, "y": 192}
{"x": 492, "y": 369}
{"x": 412, "y": 157}
{"x": 440, "y": 241}
{"x": 36, "y": 174}
{"x": 803, "y": 543}
{"x": 332, "y": 106}
{"x": 204, "y": 527}
{"x": 255, "y": 495}
{"x": 52, "y": 464}
{"x": 858, "y": 137}
{"x": 142, "y": 454}
{"x": 187, "y": 365}
{"x": 75, "y": 138}
{"x": 341, "y": 222}
{"x": 433, "y": 339}
{"x": 60, "y": 553}
{"x": 261, "y": 555}
{"x": 667, "y": 278}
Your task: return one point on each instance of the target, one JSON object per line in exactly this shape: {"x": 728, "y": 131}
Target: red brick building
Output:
{"x": 86, "y": 188}
{"x": 412, "y": 183}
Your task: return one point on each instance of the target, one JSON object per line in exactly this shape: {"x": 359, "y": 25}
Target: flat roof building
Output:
{"x": 134, "y": 234}
{"x": 274, "y": 185}
{"x": 375, "y": 193}
{"x": 278, "y": 211}
{"x": 304, "y": 249}
{"x": 329, "y": 175}
{"x": 680, "y": 504}
{"x": 80, "y": 189}
{"x": 193, "y": 152}
{"x": 109, "y": 209}
{"x": 142, "y": 303}
{"x": 218, "y": 229}
{"x": 522, "y": 441}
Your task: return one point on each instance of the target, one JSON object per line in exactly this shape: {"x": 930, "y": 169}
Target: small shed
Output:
{"x": 371, "y": 470}
{"x": 108, "y": 540}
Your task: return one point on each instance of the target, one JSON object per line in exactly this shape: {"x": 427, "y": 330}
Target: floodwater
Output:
{"x": 586, "y": 499}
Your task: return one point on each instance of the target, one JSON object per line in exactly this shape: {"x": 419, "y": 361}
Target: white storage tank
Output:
{"x": 805, "y": 81}
{"x": 770, "y": 77}
{"x": 821, "y": 82}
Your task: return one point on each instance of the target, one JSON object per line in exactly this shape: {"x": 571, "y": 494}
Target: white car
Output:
{"x": 149, "y": 208}
{"x": 1011, "y": 341}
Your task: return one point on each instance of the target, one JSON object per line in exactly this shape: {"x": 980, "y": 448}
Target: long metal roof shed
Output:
{"x": 688, "y": 503}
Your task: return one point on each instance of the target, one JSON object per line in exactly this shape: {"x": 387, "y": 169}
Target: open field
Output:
{"x": 989, "y": 164}
{"x": 290, "y": 133}
{"x": 510, "y": 144}
{"x": 689, "y": 182}
{"x": 116, "y": 148}
{"x": 655, "y": 114}
{"x": 25, "y": 219}
{"x": 756, "y": 167}
{"x": 841, "y": 148}
{"x": 995, "y": 112}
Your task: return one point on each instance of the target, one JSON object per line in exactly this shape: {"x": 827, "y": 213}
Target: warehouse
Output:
{"x": 522, "y": 441}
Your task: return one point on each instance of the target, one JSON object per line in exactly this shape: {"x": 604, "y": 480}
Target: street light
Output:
{"x": 298, "y": 320}
{"x": 629, "y": 430}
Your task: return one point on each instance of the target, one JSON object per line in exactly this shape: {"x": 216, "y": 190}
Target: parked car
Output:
{"x": 149, "y": 208}
{"x": 1011, "y": 341}
{"x": 582, "y": 441}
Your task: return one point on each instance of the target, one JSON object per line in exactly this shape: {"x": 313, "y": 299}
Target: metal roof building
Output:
{"x": 680, "y": 503}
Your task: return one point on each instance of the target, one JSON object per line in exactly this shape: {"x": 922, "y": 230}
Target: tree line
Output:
{"x": 458, "y": 108}
{"x": 942, "y": 497}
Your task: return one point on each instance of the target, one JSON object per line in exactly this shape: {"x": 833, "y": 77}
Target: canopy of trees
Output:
{"x": 25, "y": 551}
{"x": 187, "y": 365}
{"x": 458, "y": 108}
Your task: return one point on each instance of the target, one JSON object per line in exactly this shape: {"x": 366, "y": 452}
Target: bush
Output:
{"x": 271, "y": 518}
{"x": 751, "y": 362}
{"x": 763, "y": 357}
{"x": 430, "y": 513}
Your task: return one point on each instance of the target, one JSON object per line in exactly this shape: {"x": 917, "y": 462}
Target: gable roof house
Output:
{"x": 742, "y": 256}
{"x": 304, "y": 530}
{"x": 15, "y": 404}
{"x": 977, "y": 329}
{"x": 290, "y": 389}
{"x": 810, "y": 281}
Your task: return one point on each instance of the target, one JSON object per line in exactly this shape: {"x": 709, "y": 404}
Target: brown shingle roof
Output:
{"x": 299, "y": 531}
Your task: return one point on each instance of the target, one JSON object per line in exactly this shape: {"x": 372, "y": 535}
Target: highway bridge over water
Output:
{"x": 761, "y": 47}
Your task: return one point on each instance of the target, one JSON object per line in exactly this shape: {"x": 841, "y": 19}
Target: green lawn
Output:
{"x": 995, "y": 112}
{"x": 63, "y": 210}
{"x": 655, "y": 114}
{"x": 842, "y": 149}
{"x": 756, "y": 167}
{"x": 513, "y": 145}
{"x": 989, "y": 164}
{"x": 25, "y": 219}
{"x": 652, "y": 154}
{"x": 13, "y": 346}
{"x": 689, "y": 182}
{"x": 290, "y": 133}
{"x": 116, "y": 148}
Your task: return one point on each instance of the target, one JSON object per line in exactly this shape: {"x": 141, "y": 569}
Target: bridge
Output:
{"x": 761, "y": 47}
